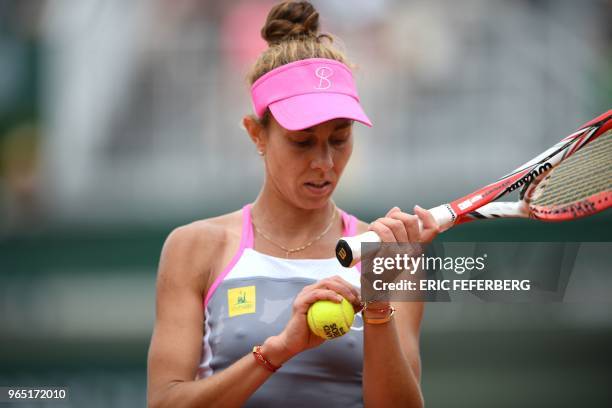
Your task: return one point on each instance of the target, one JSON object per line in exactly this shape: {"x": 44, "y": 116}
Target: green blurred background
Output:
{"x": 120, "y": 120}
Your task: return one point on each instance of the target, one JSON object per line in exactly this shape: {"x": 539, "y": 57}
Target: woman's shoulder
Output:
{"x": 208, "y": 235}
{"x": 194, "y": 248}
{"x": 362, "y": 226}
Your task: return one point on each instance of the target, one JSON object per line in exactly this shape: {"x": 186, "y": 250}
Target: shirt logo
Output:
{"x": 241, "y": 300}
{"x": 324, "y": 73}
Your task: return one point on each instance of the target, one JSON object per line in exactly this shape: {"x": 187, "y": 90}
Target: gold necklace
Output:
{"x": 300, "y": 248}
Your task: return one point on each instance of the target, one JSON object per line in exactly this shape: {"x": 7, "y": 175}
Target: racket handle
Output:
{"x": 348, "y": 249}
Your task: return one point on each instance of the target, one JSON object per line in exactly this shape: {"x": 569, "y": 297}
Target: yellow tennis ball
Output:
{"x": 329, "y": 320}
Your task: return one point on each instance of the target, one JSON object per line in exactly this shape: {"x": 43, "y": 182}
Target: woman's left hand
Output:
{"x": 398, "y": 226}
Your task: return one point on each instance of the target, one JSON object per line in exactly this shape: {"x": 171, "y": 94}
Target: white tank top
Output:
{"x": 251, "y": 300}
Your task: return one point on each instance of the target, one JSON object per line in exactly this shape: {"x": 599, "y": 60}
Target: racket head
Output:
{"x": 579, "y": 186}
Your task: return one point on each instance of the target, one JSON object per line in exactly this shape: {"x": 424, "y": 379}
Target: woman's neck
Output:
{"x": 288, "y": 223}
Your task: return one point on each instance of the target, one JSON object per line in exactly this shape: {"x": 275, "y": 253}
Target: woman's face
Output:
{"x": 305, "y": 165}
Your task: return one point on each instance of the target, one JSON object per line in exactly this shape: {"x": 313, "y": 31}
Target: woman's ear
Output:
{"x": 256, "y": 132}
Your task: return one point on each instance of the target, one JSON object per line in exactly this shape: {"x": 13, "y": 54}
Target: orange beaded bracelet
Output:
{"x": 261, "y": 360}
{"x": 387, "y": 310}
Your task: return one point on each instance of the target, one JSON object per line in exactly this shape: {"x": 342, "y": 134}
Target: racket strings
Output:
{"x": 582, "y": 175}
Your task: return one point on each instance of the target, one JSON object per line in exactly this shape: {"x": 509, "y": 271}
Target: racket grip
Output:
{"x": 348, "y": 249}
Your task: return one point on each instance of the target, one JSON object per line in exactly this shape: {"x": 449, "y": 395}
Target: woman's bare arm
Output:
{"x": 392, "y": 365}
{"x": 176, "y": 344}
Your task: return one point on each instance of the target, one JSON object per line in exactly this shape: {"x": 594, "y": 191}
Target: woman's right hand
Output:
{"x": 297, "y": 336}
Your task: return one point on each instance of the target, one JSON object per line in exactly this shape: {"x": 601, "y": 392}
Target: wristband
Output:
{"x": 261, "y": 360}
{"x": 387, "y": 310}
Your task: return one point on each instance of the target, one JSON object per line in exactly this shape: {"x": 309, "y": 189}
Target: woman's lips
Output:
{"x": 319, "y": 188}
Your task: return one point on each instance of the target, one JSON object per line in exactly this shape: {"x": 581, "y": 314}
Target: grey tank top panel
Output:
{"x": 329, "y": 375}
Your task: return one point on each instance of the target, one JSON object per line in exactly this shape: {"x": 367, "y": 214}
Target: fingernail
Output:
{"x": 339, "y": 298}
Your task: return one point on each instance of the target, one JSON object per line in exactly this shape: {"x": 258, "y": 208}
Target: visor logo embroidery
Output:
{"x": 324, "y": 73}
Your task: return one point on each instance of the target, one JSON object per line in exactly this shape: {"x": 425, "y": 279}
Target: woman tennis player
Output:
{"x": 233, "y": 291}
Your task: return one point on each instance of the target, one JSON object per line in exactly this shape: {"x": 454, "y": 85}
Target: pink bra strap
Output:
{"x": 246, "y": 241}
{"x": 350, "y": 224}
{"x": 248, "y": 238}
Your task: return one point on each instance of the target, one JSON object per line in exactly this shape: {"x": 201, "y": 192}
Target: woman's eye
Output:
{"x": 339, "y": 142}
{"x": 303, "y": 143}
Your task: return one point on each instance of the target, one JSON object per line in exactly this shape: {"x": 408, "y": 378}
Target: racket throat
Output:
{"x": 516, "y": 209}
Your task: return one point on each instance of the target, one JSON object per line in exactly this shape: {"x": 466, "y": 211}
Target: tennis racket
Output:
{"x": 570, "y": 180}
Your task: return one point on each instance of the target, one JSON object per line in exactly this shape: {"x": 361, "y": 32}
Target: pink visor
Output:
{"x": 305, "y": 93}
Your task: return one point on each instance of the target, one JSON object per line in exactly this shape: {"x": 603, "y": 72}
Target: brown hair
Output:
{"x": 292, "y": 33}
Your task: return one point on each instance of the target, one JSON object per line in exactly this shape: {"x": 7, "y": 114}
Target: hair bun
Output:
{"x": 290, "y": 20}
